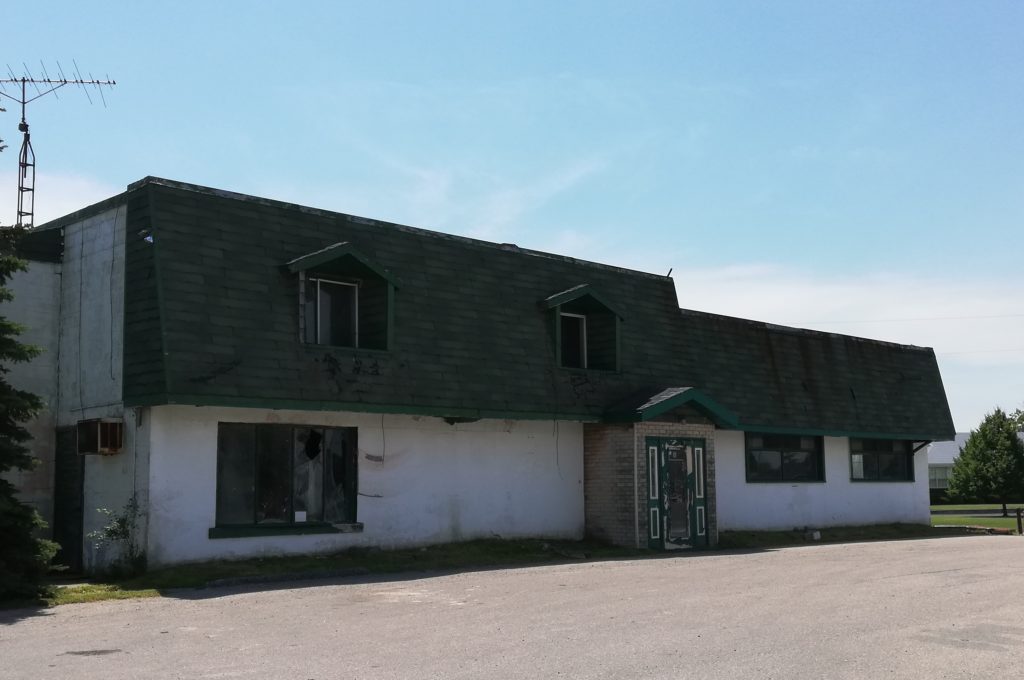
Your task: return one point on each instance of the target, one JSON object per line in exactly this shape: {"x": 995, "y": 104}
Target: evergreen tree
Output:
{"x": 991, "y": 464}
{"x": 1018, "y": 419}
{"x": 24, "y": 558}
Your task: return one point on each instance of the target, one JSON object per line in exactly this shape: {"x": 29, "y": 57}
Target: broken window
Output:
{"x": 284, "y": 474}
{"x": 881, "y": 460}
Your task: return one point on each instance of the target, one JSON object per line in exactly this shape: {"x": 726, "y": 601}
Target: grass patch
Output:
{"x": 875, "y": 532}
{"x": 988, "y": 522}
{"x": 1010, "y": 507}
{"x": 448, "y": 557}
{"x": 95, "y": 592}
{"x": 451, "y": 556}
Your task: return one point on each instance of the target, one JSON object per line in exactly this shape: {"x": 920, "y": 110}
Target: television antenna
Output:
{"x": 27, "y": 158}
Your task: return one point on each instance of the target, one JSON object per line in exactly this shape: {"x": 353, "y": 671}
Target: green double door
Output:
{"x": 676, "y": 493}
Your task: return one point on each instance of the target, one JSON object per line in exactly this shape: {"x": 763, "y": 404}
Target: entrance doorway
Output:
{"x": 676, "y": 493}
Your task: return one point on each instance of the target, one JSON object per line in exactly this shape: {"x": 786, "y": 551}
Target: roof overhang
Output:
{"x": 584, "y": 290}
{"x": 665, "y": 400}
{"x": 333, "y": 253}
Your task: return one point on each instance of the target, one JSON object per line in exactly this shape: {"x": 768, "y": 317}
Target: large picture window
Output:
{"x": 881, "y": 460}
{"x": 784, "y": 458}
{"x": 285, "y": 475}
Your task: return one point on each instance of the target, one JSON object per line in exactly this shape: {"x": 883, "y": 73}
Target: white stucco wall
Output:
{"x": 436, "y": 483}
{"x": 838, "y": 501}
{"x": 35, "y": 306}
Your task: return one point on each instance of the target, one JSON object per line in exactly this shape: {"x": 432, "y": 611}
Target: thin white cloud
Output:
{"x": 975, "y": 326}
{"x": 56, "y": 194}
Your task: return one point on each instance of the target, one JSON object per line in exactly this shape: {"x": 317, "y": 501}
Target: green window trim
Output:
{"x": 252, "y": 531}
{"x": 759, "y": 448}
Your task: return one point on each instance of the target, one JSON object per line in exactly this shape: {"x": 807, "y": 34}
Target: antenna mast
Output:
{"x": 27, "y": 158}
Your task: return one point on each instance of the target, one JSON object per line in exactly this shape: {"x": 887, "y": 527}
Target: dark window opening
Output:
{"x": 588, "y": 336}
{"x": 332, "y": 313}
{"x": 784, "y": 458}
{"x": 346, "y": 307}
{"x": 283, "y": 474}
{"x": 881, "y": 460}
{"x": 574, "y": 340}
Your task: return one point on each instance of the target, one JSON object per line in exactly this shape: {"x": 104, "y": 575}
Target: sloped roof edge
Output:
{"x": 575, "y": 293}
{"x": 670, "y": 398}
{"x": 334, "y": 252}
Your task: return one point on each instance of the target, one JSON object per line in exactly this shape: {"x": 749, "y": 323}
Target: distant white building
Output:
{"x": 942, "y": 455}
{"x": 940, "y": 460}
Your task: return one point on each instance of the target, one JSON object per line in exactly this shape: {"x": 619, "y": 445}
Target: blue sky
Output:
{"x": 852, "y": 167}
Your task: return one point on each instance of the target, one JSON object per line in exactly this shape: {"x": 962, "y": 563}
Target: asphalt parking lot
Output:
{"x": 937, "y": 608}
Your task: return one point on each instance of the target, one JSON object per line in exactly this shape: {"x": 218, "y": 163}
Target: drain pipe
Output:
{"x": 636, "y": 489}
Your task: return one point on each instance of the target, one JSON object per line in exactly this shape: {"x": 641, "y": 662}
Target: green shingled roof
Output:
{"x": 211, "y": 309}
{"x": 782, "y": 379}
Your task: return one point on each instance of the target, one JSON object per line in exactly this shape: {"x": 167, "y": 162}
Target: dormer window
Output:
{"x": 346, "y": 300}
{"x": 332, "y": 312}
{"x": 586, "y": 329}
{"x": 574, "y": 340}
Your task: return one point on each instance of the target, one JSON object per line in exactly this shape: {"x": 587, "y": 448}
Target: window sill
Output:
{"x": 343, "y": 348}
{"x": 882, "y": 481}
{"x": 247, "y": 531}
{"x": 584, "y": 371}
{"x": 790, "y": 482}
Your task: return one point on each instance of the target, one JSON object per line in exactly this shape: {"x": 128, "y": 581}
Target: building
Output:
{"x": 941, "y": 456}
{"x": 266, "y": 378}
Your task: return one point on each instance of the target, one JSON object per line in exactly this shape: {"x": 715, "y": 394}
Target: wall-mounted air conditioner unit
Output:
{"x": 102, "y": 436}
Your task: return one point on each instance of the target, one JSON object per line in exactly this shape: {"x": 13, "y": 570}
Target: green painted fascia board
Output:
{"x": 575, "y": 293}
{"x": 336, "y": 252}
{"x": 356, "y": 407}
{"x": 246, "y": 531}
{"x": 722, "y": 416}
{"x": 813, "y": 432}
{"x": 692, "y": 397}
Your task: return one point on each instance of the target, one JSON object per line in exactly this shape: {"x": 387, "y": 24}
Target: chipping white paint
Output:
{"x": 75, "y": 311}
{"x": 35, "y": 307}
{"x": 838, "y": 501}
{"x": 91, "y": 330}
{"x": 437, "y": 482}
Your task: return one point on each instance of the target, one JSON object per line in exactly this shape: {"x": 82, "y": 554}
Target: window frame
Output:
{"x": 583, "y": 339}
{"x": 818, "y": 451}
{"x": 255, "y": 528}
{"x": 945, "y": 469}
{"x": 587, "y": 363}
{"x": 908, "y": 453}
{"x": 356, "y": 285}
